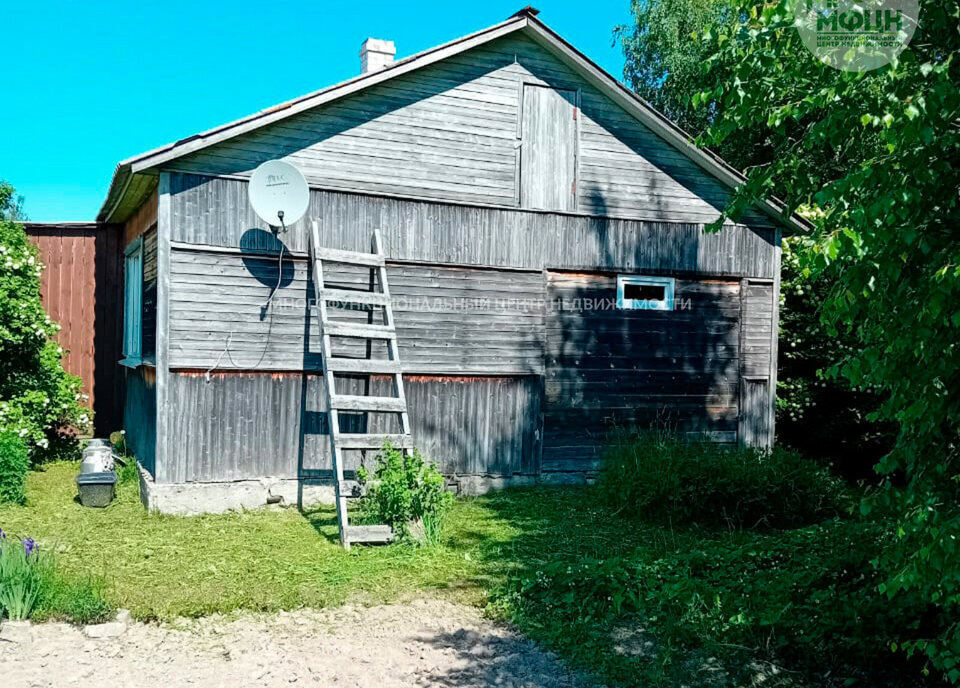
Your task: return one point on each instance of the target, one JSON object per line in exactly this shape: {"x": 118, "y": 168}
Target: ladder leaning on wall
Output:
{"x": 377, "y": 304}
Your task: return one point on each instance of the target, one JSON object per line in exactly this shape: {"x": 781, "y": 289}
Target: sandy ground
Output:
{"x": 425, "y": 643}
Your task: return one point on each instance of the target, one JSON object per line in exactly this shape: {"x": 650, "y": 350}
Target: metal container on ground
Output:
{"x": 96, "y": 489}
{"x": 97, "y": 457}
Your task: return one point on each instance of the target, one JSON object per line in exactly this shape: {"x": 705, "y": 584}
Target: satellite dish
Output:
{"x": 278, "y": 193}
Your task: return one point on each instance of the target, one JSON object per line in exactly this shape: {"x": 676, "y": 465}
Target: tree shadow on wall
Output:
{"x": 608, "y": 367}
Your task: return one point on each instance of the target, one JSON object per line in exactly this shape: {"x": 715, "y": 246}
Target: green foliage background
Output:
{"x": 886, "y": 215}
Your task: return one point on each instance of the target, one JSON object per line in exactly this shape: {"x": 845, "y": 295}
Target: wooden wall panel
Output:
{"x": 236, "y": 425}
{"x": 140, "y": 415}
{"x": 449, "y": 320}
{"x": 216, "y": 212}
{"x": 142, "y": 220}
{"x": 449, "y": 132}
{"x": 758, "y": 363}
{"x": 149, "y": 299}
{"x": 608, "y": 367}
{"x": 81, "y": 289}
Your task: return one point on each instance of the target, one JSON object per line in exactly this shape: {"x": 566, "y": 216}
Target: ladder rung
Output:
{"x": 364, "y": 441}
{"x": 355, "y": 257}
{"x": 346, "y": 296}
{"x": 373, "y": 534}
{"x": 361, "y": 331}
{"x": 348, "y": 402}
{"x": 363, "y": 365}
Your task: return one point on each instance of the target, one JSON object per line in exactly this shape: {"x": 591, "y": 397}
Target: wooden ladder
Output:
{"x": 336, "y": 403}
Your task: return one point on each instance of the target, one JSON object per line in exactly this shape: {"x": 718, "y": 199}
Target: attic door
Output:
{"x": 548, "y": 144}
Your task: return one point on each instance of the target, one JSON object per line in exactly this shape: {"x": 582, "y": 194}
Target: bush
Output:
{"x": 660, "y": 477}
{"x": 37, "y": 397}
{"x": 31, "y": 586}
{"x": 823, "y": 417}
{"x": 14, "y": 464}
{"x": 406, "y": 489}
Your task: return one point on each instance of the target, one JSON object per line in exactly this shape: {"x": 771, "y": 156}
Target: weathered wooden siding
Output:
{"x": 548, "y": 148}
{"x": 142, "y": 220}
{"x": 758, "y": 328}
{"x": 449, "y": 131}
{"x": 82, "y": 290}
{"x": 148, "y": 306}
{"x": 140, "y": 415}
{"x": 608, "y": 367}
{"x": 449, "y": 320}
{"x": 758, "y": 362}
{"x": 216, "y": 212}
{"x": 240, "y": 426}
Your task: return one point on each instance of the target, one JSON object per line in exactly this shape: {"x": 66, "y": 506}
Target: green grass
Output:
{"x": 161, "y": 567}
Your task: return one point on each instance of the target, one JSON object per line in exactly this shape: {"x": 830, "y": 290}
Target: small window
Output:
{"x": 132, "y": 300}
{"x": 645, "y": 293}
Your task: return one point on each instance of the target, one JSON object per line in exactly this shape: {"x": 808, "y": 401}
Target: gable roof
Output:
{"x": 129, "y": 176}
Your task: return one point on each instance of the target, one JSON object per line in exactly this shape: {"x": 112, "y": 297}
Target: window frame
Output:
{"x": 133, "y": 304}
{"x": 669, "y": 292}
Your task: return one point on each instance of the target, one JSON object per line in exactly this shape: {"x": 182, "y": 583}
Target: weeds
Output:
{"x": 657, "y": 477}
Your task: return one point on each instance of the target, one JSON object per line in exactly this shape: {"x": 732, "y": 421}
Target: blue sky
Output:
{"x": 96, "y": 82}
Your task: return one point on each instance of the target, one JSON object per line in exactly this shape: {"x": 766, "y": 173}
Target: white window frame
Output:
{"x": 669, "y": 289}
{"x": 133, "y": 304}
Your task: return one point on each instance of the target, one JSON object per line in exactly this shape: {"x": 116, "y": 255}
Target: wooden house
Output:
{"x": 544, "y": 235}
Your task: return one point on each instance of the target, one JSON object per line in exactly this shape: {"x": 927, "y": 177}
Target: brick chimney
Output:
{"x": 375, "y": 54}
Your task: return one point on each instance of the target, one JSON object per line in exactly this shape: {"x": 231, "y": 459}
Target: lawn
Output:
{"x": 161, "y": 567}
{"x": 637, "y": 602}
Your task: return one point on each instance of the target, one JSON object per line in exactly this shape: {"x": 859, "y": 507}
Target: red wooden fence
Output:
{"x": 82, "y": 290}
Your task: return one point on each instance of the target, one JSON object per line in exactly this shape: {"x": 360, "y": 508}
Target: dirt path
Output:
{"x": 425, "y": 643}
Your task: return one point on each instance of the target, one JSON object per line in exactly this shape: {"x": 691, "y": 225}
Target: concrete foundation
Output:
{"x": 190, "y": 499}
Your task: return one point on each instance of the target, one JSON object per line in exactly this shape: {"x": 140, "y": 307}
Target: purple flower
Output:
{"x": 3, "y": 536}
{"x": 29, "y": 545}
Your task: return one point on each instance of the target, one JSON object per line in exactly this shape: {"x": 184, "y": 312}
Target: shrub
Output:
{"x": 14, "y": 464}
{"x": 37, "y": 397}
{"x": 407, "y": 489}
{"x": 660, "y": 477}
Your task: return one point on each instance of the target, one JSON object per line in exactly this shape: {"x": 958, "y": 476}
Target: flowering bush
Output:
{"x": 37, "y": 397}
